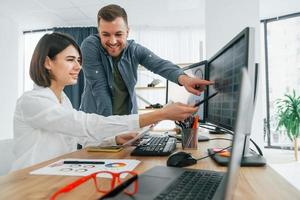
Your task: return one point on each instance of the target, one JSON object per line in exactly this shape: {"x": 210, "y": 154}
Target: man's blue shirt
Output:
{"x": 97, "y": 68}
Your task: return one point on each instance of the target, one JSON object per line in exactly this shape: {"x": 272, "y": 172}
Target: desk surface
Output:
{"x": 254, "y": 182}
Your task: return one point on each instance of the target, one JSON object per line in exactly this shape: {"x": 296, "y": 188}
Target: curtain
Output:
{"x": 177, "y": 44}
{"x": 79, "y": 34}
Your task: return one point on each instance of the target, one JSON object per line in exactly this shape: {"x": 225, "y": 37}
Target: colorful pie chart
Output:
{"x": 115, "y": 165}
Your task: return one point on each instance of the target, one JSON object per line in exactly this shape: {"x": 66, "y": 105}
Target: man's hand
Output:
{"x": 193, "y": 85}
{"x": 123, "y": 138}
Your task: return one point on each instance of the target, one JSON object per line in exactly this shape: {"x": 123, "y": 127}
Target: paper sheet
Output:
{"x": 140, "y": 134}
{"x": 61, "y": 169}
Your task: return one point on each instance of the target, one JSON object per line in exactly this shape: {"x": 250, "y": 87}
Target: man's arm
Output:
{"x": 170, "y": 71}
{"x": 157, "y": 65}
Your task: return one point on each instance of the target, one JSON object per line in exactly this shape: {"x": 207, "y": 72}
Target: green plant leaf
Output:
{"x": 288, "y": 114}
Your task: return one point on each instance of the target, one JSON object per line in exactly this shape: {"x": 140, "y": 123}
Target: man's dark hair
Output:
{"x": 111, "y": 12}
{"x": 49, "y": 45}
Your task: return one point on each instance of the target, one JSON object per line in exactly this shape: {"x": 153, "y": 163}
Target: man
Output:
{"x": 110, "y": 63}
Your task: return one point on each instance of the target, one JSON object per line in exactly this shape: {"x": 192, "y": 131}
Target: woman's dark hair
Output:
{"x": 111, "y": 12}
{"x": 49, "y": 45}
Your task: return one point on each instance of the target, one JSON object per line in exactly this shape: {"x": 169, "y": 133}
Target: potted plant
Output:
{"x": 288, "y": 110}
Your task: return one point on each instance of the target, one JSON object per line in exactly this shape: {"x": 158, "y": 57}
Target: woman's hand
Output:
{"x": 175, "y": 112}
{"x": 123, "y": 138}
{"x": 178, "y": 111}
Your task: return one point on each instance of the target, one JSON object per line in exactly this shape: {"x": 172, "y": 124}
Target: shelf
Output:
{"x": 148, "y": 95}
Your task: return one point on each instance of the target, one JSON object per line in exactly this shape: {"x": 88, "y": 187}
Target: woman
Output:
{"x": 46, "y": 125}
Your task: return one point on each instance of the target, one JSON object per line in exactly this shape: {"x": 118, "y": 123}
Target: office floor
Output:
{"x": 283, "y": 162}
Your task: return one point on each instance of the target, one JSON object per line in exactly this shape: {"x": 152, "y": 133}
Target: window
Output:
{"x": 30, "y": 41}
{"x": 283, "y": 67}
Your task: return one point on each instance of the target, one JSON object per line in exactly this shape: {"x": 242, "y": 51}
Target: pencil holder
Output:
{"x": 189, "y": 138}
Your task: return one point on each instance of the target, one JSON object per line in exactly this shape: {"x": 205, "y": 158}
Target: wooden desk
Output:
{"x": 254, "y": 183}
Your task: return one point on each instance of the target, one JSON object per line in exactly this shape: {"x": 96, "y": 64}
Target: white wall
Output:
{"x": 224, "y": 20}
{"x": 274, "y": 8}
{"x": 6, "y": 156}
{"x": 10, "y": 78}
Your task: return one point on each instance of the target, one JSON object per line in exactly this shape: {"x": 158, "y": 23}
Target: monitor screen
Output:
{"x": 225, "y": 69}
{"x": 179, "y": 93}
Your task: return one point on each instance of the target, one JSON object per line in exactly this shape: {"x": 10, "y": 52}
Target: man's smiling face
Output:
{"x": 113, "y": 35}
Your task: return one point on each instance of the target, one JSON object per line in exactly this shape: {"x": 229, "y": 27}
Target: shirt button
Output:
{"x": 97, "y": 71}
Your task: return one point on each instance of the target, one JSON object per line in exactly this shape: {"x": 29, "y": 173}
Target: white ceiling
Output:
{"x": 36, "y": 14}
{"x": 40, "y": 14}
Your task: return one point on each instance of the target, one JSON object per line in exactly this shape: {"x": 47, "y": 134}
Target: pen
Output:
{"x": 83, "y": 162}
{"x": 206, "y": 99}
{"x": 196, "y": 119}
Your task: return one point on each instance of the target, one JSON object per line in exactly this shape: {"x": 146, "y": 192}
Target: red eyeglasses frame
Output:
{"x": 115, "y": 178}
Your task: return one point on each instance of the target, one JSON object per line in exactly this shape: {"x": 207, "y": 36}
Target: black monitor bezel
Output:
{"x": 244, "y": 33}
{"x": 201, "y": 63}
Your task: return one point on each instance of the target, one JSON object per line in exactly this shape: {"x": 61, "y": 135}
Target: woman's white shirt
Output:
{"x": 44, "y": 128}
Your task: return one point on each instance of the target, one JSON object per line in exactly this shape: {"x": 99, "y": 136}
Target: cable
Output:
{"x": 256, "y": 146}
{"x": 214, "y": 153}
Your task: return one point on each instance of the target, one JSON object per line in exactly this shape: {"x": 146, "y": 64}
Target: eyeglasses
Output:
{"x": 104, "y": 182}
{"x": 119, "y": 188}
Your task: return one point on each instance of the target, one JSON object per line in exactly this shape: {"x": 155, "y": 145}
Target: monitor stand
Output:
{"x": 217, "y": 130}
{"x": 252, "y": 159}
{"x": 213, "y": 129}
{"x": 202, "y": 138}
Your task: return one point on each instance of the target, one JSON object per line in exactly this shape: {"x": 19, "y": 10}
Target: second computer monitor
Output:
{"x": 180, "y": 94}
{"x": 197, "y": 70}
{"x": 225, "y": 69}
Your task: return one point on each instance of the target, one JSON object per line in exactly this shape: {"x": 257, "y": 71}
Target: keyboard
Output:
{"x": 155, "y": 146}
{"x": 193, "y": 185}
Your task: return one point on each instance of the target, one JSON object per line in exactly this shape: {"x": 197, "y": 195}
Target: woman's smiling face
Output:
{"x": 65, "y": 66}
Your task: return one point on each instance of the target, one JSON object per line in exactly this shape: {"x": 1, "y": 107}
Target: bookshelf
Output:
{"x": 151, "y": 95}
{"x": 159, "y": 93}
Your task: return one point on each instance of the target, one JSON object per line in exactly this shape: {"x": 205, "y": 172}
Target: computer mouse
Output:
{"x": 181, "y": 159}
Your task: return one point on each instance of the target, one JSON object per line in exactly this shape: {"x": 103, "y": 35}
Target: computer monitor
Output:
{"x": 179, "y": 93}
{"x": 225, "y": 69}
{"x": 197, "y": 70}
